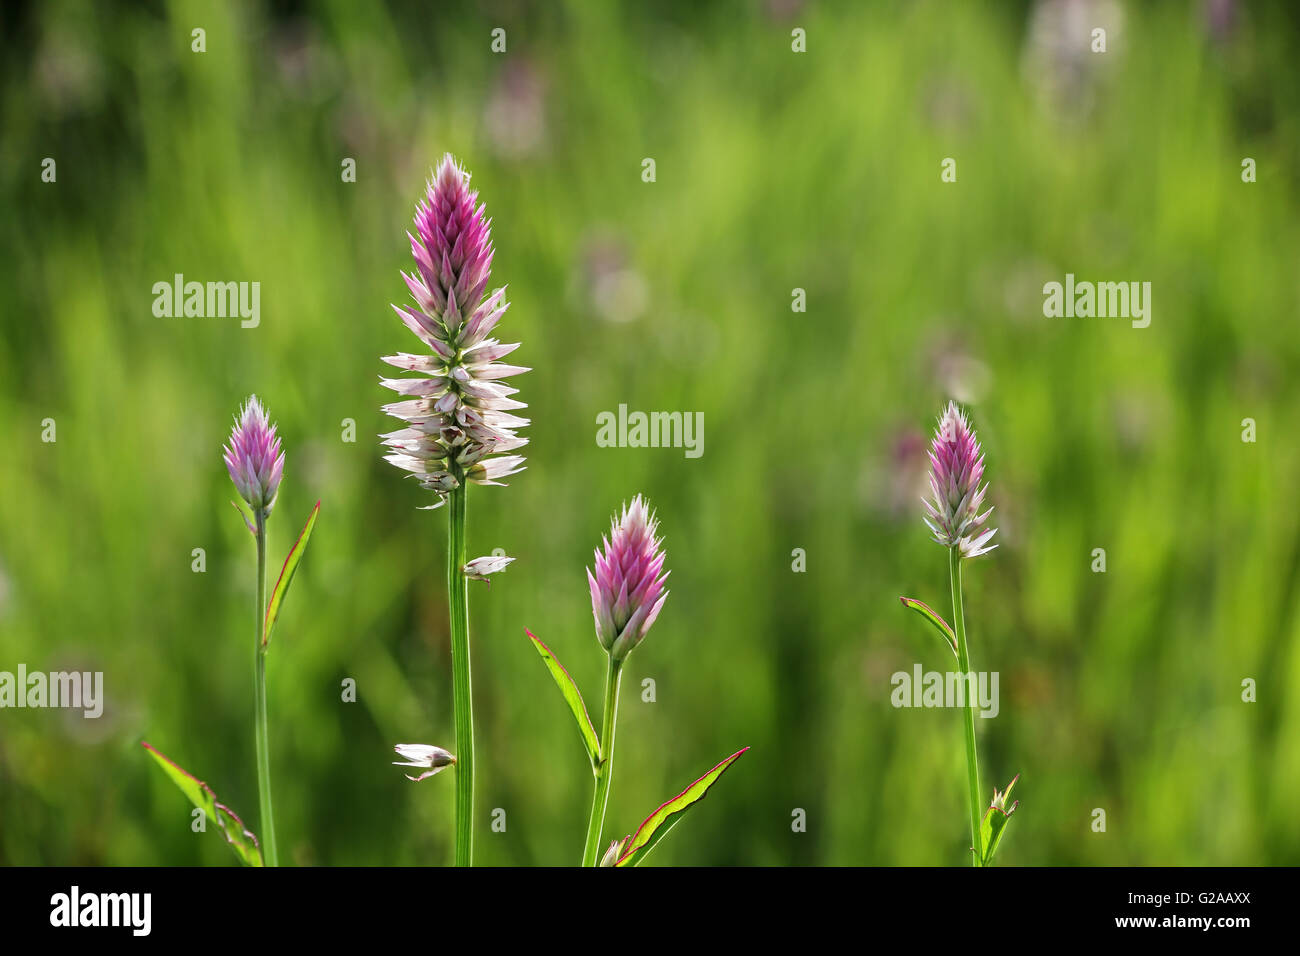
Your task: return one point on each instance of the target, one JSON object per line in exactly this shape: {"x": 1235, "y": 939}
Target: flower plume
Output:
{"x": 254, "y": 458}
{"x": 458, "y": 414}
{"x": 627, "y": 589}
{"x": 956, "y": 467}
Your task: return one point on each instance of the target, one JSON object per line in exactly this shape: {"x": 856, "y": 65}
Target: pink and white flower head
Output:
{"x": 424, "y": 756}
{"x": 254, "y": 458}
{"x": 458, "y": 415}
{"x": 627, "y": 589}
{"x": 956, "y": 467}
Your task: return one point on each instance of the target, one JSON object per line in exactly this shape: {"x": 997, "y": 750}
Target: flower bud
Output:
{"x": 956, "y": 467}
{"x": 627, "y": 588}
{"x": 254, "y": 458}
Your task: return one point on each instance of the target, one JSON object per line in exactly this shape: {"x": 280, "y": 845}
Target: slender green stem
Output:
{"x": 605, "y": 769}
{"x": 963, "y": 665}
{"x": 462, "y": 699}
{"x": 271, "y": 856}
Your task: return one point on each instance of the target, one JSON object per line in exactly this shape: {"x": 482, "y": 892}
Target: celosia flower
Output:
{"x": 627, "y": 589}
{"x": 423, "y": 755}
{"x": 480, "y": 568}
{"x": 254, "y": 458}
{"x": 956, "y": 467}
{"x": 458, "y": 413}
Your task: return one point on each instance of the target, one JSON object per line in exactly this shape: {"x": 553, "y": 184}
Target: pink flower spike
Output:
{"x": 461, "y": 403}
{"x": 627, "y": 586}
{"x": 956, "y": 467}
{"x": 254, "y": 458}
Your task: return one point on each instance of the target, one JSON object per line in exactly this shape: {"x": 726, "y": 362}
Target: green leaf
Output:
{"x": 286, "y": 575}
{"x": 239, "y": 837}
{"x": 996, "y": 820}
{"x": 574, "y": 698}
{"x": 656, "y": 826}
{"x": 939, "y": 623}
{"x": 248, "y": 522}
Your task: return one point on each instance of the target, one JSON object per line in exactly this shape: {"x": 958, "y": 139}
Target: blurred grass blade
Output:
{"x": 286, "y": 575}
{"x": 657, "y": 825}
{"x": 939, "y": 623}
{"x": 996, "y": 819}
{"x": 239, "y": 837}
{"x": 574, "y": 697}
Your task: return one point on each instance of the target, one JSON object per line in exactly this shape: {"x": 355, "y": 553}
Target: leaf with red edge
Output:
{"x": 573, "y": 697}
{"x": 286, "y": 576}
{"x": 940, "y": 625}
{"x": 656, "y": 826}
{"x": 239, "y": 837}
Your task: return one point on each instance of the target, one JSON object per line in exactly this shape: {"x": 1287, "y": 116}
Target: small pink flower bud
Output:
{"x": 956, "y": 467}
{"x": 254, "y": 458}
{"x": 627, "y": 588}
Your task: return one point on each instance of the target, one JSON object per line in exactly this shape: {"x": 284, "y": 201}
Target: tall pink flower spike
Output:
{"x": 458, "y": 416}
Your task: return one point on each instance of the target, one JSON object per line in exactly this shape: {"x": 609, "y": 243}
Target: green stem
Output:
{"x": 963, "y": 665}
{"x": 272, "y": 857}
{"x": 462, "y": 699}
{"x": 605, "y": 769}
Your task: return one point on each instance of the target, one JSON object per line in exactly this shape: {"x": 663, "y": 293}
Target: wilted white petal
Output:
{"x": 423, "y": 755}
{"x": 415, "y": 363}
{"x": 480, "y": 568}
{"x": 497, "y": 370}
{"x": 423, "y": 387}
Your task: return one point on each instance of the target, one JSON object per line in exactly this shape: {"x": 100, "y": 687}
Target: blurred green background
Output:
{"x": 775, "y": 170}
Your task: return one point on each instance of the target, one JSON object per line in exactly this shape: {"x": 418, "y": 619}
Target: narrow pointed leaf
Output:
{"x": 574, "y": 698}
{"x": 286, "y": 575}
{"x": 995, "y": 821}
{"x": 240, "y": 839}
{"x": 248, "y": 522}
{"x": 939, "y": 623}
{"x": 656, "y": 826}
